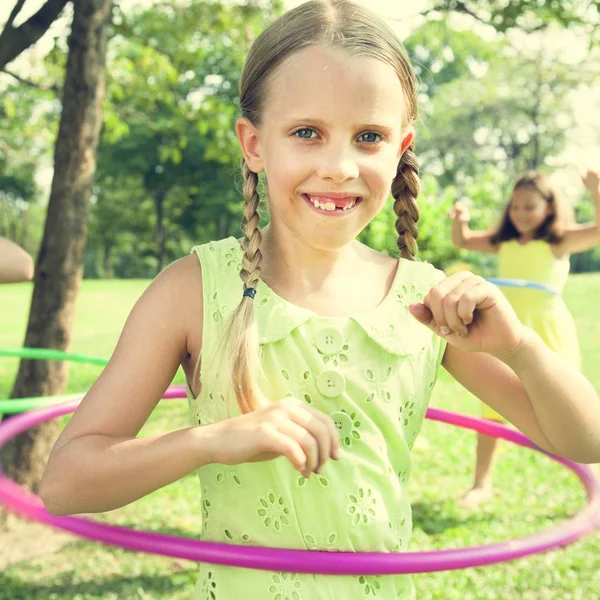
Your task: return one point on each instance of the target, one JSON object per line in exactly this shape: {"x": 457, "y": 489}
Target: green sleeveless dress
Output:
{"x": 373, "y": 374}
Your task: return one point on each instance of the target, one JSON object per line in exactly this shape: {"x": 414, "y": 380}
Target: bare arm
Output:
{"x": 510, "y": 368}
{"x": 463, "y": 237}
{"x": 97, "y": 463}
{"x": 550, "y": 402}
{"x": 585, "y": 236}
{"x": 15, "y": 264}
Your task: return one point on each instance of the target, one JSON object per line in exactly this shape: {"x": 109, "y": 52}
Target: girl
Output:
{"x": 15, "y": 264}
{"x": 333, "y": 347}
{"x": 533, "y": 242}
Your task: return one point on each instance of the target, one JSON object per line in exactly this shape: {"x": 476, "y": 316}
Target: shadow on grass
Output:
{"x": 434, "y": 519}
{"x": 167, "y": 586}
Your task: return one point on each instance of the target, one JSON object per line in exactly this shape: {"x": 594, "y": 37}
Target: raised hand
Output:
{"x": 591, "y": 180}
{"x": 291, "y": 428}
{"x": 460, "y": 211}
{"x": 472, "y": 314}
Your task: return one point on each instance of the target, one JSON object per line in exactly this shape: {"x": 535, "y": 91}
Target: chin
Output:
{"x": 328, "y": 242}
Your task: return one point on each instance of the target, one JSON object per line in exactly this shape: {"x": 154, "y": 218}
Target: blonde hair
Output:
{"x": 341, "y": 24}
{"x": 552, "y": 229}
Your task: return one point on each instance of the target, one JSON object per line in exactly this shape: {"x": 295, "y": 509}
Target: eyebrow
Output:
{"x": 325, "y": 124}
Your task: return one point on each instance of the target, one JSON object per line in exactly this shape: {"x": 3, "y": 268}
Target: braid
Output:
{"x": 241, "y": 343}
{"x": 250, "y": 272}
{"x": 405, "y": 189}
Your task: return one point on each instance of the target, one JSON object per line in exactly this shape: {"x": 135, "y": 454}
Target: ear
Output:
{"x": 249, "y": 138}
{"x": 407, "y": 141}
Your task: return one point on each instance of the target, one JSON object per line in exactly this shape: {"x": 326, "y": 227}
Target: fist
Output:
{"x": 471, "y": 314}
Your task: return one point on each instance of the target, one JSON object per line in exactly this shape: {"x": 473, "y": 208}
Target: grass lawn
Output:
{"x": 536, "y": 493}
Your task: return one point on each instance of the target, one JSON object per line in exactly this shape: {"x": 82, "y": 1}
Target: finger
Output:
{"x": 332, "y": 431}
{"x": 312, "y": 422}
{"x": 434, "y": 299}
{"x": 467, "y": 305}
{"x": 305, "y": 440}
{"x": 285, "y": 445}
{"x": 303, "y": 412}
{"x": 454, "y": 304}
{"x": 423, "y": 315}
{"x": 481, "y": 296}
{"x": 450, "y": 305}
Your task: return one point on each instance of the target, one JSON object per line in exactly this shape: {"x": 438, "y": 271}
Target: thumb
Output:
{"x": 422, "y": 314}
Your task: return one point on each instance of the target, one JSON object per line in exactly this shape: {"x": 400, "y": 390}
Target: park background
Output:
{"x": 505, "y": 87}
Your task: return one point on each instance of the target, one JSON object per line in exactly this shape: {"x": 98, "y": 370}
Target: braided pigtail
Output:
{"x": 405, "y": 189}
{"x": 241, "y": 346}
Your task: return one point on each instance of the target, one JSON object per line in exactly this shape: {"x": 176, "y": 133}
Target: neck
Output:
{"x": 523, "y": 239}
{"x": 290, "y": 263}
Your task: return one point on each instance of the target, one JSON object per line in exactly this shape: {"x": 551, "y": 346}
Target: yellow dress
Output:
{"x": 547, "y": 314}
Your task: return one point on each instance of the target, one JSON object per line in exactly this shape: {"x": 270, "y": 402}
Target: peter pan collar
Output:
{"x": 390, "y": 324}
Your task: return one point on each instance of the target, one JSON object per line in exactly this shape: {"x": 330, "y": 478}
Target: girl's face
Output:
{"x": 330, "y": 142}
{"x": 528, "y": 210}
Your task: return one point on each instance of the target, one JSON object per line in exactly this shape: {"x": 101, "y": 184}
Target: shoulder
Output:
{"x": 174, "y": 296}
{"x": 181, "y": 277}
{"x": 169, "y": 311}
{"x": 227, "y": 247}
{"x": 407, "y": 271}
{"x": 420, "y": 273}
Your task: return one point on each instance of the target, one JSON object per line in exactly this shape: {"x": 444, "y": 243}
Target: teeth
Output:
{"x": 330, "y": 206}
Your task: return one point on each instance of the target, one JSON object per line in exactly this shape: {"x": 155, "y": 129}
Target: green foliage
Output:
{"x": 585, "y": 212}
{"x": 168, "y": 162}
{"x": 169, "y": 140}
{"x": 500, "y": 111}
{"x": 26, "y": 125}
{"x": 488, "y": 194}
{"x": 528, "y": 15}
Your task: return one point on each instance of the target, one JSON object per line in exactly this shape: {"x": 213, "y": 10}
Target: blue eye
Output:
{"x": 305, "y": 134}
{"x": 370, "y": 137}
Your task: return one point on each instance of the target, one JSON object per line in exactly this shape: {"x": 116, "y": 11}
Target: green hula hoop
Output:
{"x": 49, "y": 354}
{"x": 18, "y": 405}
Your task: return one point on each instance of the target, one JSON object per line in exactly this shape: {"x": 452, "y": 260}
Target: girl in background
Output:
{"x": 534, "y": 242}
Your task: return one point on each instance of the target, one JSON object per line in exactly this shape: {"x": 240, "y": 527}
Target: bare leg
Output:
{"x": 482, "y": 488}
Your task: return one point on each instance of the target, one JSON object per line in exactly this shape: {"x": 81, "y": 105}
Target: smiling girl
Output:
{"x": 303, "y": 438}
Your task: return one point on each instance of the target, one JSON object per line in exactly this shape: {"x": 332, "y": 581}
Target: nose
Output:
{"x": 337, "y": 165}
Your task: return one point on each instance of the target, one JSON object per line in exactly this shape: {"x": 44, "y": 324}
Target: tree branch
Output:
{"x": 32, "y": 84}
{"x": 460, "y": 7}
{"x": 14, "y": 12}
{"x": 13, "y": 40}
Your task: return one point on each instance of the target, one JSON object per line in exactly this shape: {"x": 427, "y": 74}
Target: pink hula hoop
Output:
{"x": 30, "y": 506}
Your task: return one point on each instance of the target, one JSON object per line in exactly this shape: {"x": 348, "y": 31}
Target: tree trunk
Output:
{"x": 107, "y": 269}
{"x": 59, "y": 265}
{"x": 159, "y": 236}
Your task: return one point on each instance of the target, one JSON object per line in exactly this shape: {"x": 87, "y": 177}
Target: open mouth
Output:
{"x": 333, "y": 205}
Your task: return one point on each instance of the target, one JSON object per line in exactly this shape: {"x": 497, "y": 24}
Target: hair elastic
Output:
{"x": 250, "y": 292}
